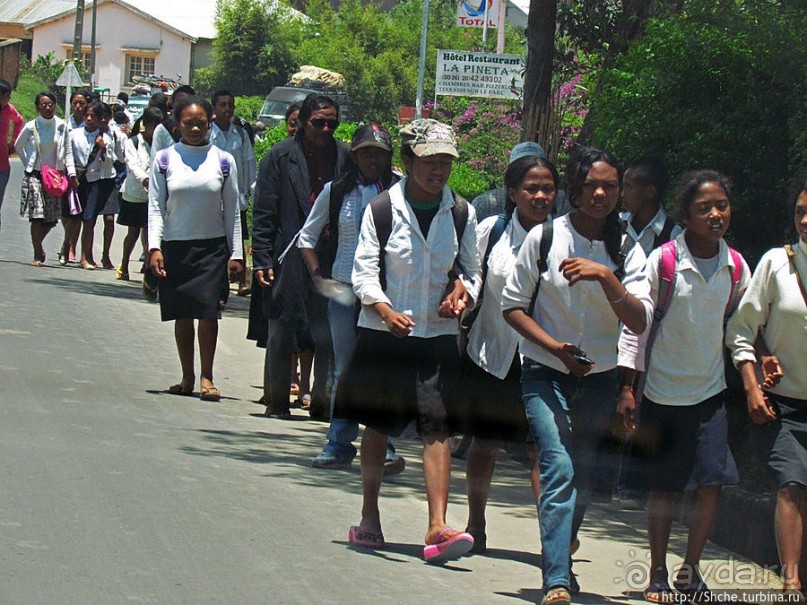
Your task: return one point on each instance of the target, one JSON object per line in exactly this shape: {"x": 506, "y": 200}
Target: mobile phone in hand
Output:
{"x": 584, "y": 360}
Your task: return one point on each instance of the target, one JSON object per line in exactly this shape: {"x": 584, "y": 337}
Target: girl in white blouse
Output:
{"x": 43, "y": 140}
{"x": 681, "y": 442}
{"x": 775, "y": 308}
{"x": 492, "y": 369}
{"x": 405, "y": 365}
{"x": 327, "y": 244}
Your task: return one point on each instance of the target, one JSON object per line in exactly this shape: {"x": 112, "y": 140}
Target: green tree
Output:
{"x": 253, "y": 48}
{"x": 721, "y": 85}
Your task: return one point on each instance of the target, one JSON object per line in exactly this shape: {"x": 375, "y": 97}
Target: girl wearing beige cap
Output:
{"x": 416, "y": 268}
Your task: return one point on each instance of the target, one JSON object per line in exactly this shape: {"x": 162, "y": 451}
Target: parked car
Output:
{"x": 280, "y": 98}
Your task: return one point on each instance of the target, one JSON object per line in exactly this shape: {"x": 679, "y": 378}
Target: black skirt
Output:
{"x": 390, "y": 381}
{"x": 492, "y": 408}
{"x": 782, "y": 443}
{"x": 194, "y": 272}
{"x": 133, "y": 214}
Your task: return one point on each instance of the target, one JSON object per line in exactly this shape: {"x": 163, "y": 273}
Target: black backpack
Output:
{"x": 381, "y": 207}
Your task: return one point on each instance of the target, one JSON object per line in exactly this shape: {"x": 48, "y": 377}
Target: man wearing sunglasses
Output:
{"x": 290, "y": 178}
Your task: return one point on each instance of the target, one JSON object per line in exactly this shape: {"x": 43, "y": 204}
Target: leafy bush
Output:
{"x": 247, "y": 108}
{"x": 722, "y": 89}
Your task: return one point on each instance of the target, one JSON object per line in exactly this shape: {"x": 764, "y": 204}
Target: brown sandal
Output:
{"x": 180, "y": 389}
{"x": 557, "y": 596}
{"x": 210, "y": 393}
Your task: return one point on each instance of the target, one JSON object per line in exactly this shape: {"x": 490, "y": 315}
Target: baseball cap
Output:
{"x": 527, "y": 149}
{"x": 371, "y": 135}
{"x": 429, "y": 137}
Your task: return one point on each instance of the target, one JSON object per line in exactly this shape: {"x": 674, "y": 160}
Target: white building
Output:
{"x": 169, "y": 38}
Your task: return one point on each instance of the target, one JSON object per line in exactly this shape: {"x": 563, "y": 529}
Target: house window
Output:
{"x": 84, "y": 60}
{"x": 137, "y": 65}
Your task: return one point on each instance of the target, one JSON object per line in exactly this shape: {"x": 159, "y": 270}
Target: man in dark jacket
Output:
{"x": 290, "y": 178}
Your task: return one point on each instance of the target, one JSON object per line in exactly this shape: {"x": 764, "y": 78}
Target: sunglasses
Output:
{"x": 322, "y": 123}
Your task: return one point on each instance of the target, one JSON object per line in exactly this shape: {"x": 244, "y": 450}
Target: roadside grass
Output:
{"x": 28, "y": 86}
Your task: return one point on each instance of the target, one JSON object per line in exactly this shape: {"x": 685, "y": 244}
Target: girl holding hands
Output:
{"x": 683, "y": 424}
{"x": 773, "y": 314}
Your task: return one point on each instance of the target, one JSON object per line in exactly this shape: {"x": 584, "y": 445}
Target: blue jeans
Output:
{"x": 342, "y": 432}
{"x": 569, "y": 418}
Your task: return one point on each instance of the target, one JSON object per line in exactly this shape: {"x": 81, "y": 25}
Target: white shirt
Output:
{"x": 350, "y": 215}
{"x": 103, "y": 165}
{"x": 686, "y": 363}
{"x": 416, "y": 268}
{"x": 138, "y": 167}
{"x": 492, "y": 343}
{"x": 578, "y": 314}
{"x": 646, "y": 238}
{"x": 161, "y": 138}
{"x": 193, "y": 200}
{"x": 773, "y": 305}
{"x": 235, "y": 141}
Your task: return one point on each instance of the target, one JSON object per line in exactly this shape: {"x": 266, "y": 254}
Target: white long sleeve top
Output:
{"x": 138, "y": 168}
{"x": 161, "y": 138}
{"x": 774, "y": 306}
{"x": 578, "y": 314}
{"x": 350, "y": 215}
{"x": 103, "y": 165}
{"x": 686, "y": 362}
{"x": 25, "y": 145}
{"x": 235, "y": 141}
{"x": 492, "y": 343}
{"x": 193, "y": 199}
{"x": 416, "y": 268}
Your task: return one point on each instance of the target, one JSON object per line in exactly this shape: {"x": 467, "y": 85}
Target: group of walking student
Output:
{"x": 532, "y": 316}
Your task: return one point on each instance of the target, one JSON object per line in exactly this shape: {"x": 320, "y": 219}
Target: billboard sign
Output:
{"x": 468, "y": 74}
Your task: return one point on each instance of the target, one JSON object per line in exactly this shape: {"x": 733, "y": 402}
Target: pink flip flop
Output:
{"x": 358, "y": 536}
{"x": 452, "y": 548}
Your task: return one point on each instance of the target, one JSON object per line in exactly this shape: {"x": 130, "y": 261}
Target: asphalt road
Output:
{"x": 112, "y": 491}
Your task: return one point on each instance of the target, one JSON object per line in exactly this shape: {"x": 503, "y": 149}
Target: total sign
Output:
{"x": 471, "y": 13}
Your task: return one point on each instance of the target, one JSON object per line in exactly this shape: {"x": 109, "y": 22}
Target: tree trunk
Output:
{"x": 538, "y": 76}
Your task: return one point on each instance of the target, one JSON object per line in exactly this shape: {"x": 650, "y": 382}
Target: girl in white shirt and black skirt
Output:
{"x": 194, "y": 238}
{"x": 405, "y": 366}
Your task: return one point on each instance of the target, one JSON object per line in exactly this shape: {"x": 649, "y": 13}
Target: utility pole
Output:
{"x": 424, "y": 30}
{"x": 79, "y": 31}
{"x": 92, "y": 44}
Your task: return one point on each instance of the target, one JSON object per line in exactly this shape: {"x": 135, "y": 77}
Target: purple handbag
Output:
{"x": 73, "y": 203}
